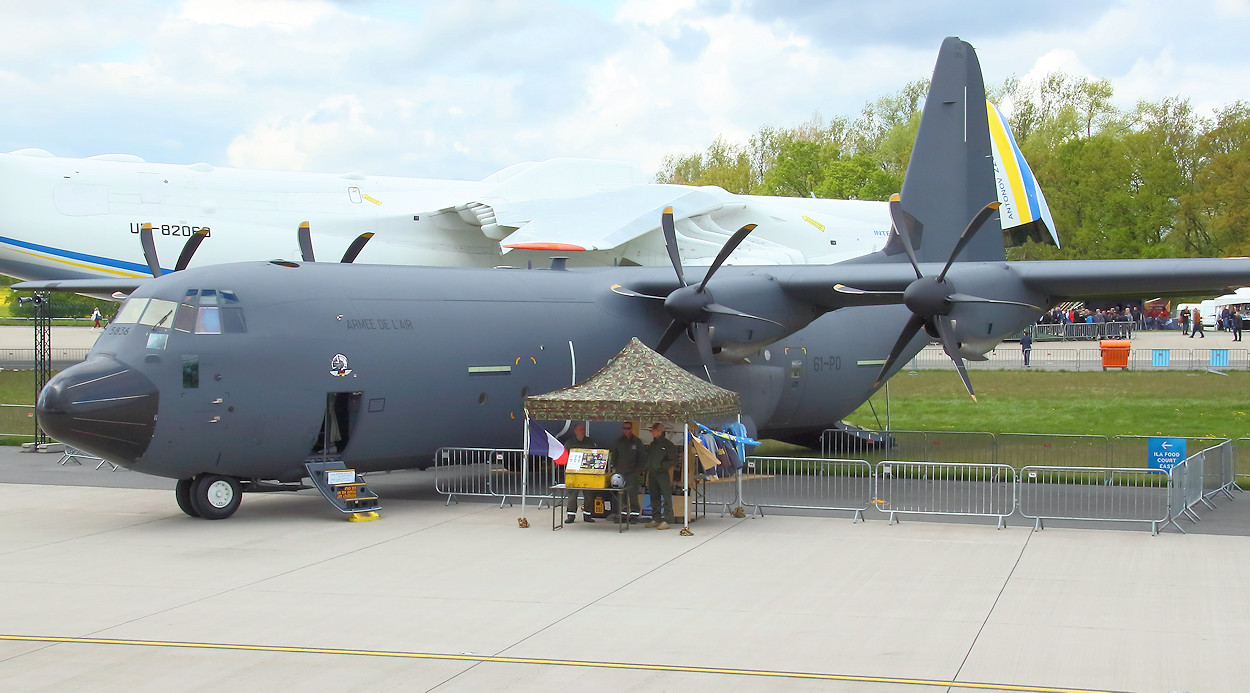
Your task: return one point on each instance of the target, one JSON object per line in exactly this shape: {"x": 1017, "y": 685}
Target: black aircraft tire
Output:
{"x": 216, "y": 497}
{"x": 183, "y": 493}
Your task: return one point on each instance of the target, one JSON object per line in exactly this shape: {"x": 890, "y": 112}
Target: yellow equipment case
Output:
{"x": 587, "y": 468}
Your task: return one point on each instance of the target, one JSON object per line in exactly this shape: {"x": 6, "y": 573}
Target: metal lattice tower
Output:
{"x": 43, "y": 355}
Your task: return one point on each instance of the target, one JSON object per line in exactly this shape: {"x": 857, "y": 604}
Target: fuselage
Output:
{"x": 77, "y": 218}
{"x": 237, "y": 371}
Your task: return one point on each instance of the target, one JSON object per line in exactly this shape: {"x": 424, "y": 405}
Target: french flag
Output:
{"x": 543, "y": 443}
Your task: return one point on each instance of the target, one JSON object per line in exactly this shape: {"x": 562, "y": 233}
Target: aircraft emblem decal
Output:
{"x": 338, "y": 366}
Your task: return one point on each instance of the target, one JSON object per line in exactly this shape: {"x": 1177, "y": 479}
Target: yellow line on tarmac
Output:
{"x": 549, "y": 662}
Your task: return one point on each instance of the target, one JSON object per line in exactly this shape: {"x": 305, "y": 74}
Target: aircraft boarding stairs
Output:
{"x": 343, "y": 487}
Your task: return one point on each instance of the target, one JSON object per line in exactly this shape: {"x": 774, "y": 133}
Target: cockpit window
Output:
{"x": 130, "y": 311}
{"x": 202, "y": 311}
{"x": 209, "y": 321}
{"x": 159, "y": 312}
{"x": 184, "y": 321}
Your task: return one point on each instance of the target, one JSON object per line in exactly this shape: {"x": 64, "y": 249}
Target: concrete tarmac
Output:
{"x": 107, "y": 586}
{"x": 111, "y": 588}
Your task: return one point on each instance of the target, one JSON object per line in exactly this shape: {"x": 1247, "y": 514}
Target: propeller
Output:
{"x": 184, "y": 258}
{"x": 306, "y": 247}
{"x": 692, "y": 306}
{"x": 932, "y": 298}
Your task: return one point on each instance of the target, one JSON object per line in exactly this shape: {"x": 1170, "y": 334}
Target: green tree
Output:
{"x": 1218, "y": 207}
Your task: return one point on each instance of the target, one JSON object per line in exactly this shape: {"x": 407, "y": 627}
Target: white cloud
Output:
{"x": 464, "y": 89}
{"x": 291, "y": 15}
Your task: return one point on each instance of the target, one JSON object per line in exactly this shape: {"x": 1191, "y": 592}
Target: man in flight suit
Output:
{"x": 659, "y": 460}
{"x": 626, "y": 458}
{"x": 579, "y": 439}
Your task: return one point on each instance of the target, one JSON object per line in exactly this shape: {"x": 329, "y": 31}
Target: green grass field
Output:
{"x": 1181, "y": 403}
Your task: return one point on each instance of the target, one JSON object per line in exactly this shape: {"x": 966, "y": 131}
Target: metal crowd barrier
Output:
{"x": 1059, "y": 356}
{"x": 462, "y": 472}
{"x": 1103, "y": 493}
{"x": 72, "y": 454}
{"x": 971, "y": 490}
{"x": 725, "y": 492}
{"x": 1241, "y": 459}
{"x": 807, "y": 484}
{"x": 25, "y": 358}
{"x": 1218, "y": 476}
{"x": 17, "y": 420}
{"x": 493, "y": 473}
{"x": 1185, "y": 491}
{"x": 1122, "y": 490}
{"x": 508, "y": 478}
{"x": 936, "y": 446}
{"x": 1084, "y": 330}
{"x": 1133, "y": 450}
{"x": 1047, "y": 449}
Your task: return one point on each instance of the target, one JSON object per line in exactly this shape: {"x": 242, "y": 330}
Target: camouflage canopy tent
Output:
{"x": 637, "y": 384}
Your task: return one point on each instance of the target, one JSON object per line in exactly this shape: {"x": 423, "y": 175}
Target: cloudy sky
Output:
{"x": 462, "y": 88}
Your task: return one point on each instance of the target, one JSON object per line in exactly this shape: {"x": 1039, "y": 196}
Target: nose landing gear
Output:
{"x": 209, "y": 496}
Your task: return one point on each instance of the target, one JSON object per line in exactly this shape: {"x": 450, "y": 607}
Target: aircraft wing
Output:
{"x": 1136, "y": 278}
{"x": 857, "y": 283}
{"x": 97, "y": 285}
{"x": 619, "y": 216}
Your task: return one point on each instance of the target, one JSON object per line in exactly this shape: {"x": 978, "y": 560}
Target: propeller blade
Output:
{"x": 670, "y": 242}
{"x": 969, "y": 231}
{"x": 674, "y": 331}
{"x": 726, "y": 310}
{"x": 618, "y": 289}
{"x": 965, "y": 298}
{"x": 730, "y": 246}
{"x": 951, "y": 346}
{"x": 703, "y": 340}
{"x": 149, "y": 249}
{"x": 354, "y": 249}
{"x": 189, "y": 248}
{"x": 909, "y": 331}
{"x": 305, "y": 243}
{"x": 902, "y": 226}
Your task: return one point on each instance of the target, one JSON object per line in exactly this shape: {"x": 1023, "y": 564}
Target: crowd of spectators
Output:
{"x": 1156, "y": 317}
{"x": 1092, "y": 316}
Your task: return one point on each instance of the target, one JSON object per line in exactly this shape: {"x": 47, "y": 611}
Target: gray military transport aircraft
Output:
{"x": 255, "y": 376}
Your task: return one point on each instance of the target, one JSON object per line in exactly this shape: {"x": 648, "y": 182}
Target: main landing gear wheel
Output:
{"x": 183, "y": 493}
{"x": 215, "y": 497}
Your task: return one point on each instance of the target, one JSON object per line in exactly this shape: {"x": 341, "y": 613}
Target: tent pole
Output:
{"x": 738, "y": 511}
{"x": 522, "y": 521}
{"x": 685, "y": 474}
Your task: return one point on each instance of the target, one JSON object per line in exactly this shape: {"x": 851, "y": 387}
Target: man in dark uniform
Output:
{"x": 579, "y": 439}
{"x": 660, "y": 457}
{"x": 626, "y": 458}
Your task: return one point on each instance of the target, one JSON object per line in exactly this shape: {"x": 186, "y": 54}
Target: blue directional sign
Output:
{"x": 1166, "y": 453}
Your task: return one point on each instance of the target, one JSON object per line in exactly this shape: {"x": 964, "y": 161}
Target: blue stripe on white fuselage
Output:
{"x": 67, "y": 255}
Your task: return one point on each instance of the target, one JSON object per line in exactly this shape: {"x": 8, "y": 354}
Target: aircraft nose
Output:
{"x": 100, "y": 406}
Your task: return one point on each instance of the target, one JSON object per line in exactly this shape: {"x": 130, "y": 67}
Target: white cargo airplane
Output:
{"x": 81, "y": 218}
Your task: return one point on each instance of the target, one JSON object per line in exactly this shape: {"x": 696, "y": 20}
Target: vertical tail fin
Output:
{"x": 950, "y": 176}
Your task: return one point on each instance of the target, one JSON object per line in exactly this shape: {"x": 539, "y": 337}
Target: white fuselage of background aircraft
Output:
{"x": 80, "y": 218}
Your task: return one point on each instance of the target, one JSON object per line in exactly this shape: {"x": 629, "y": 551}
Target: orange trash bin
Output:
{"x": 1114, "y": 353}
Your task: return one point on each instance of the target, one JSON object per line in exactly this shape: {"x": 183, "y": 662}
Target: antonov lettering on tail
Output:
{"x": 82, "y": 218}
{"x": 255, "y": 376}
